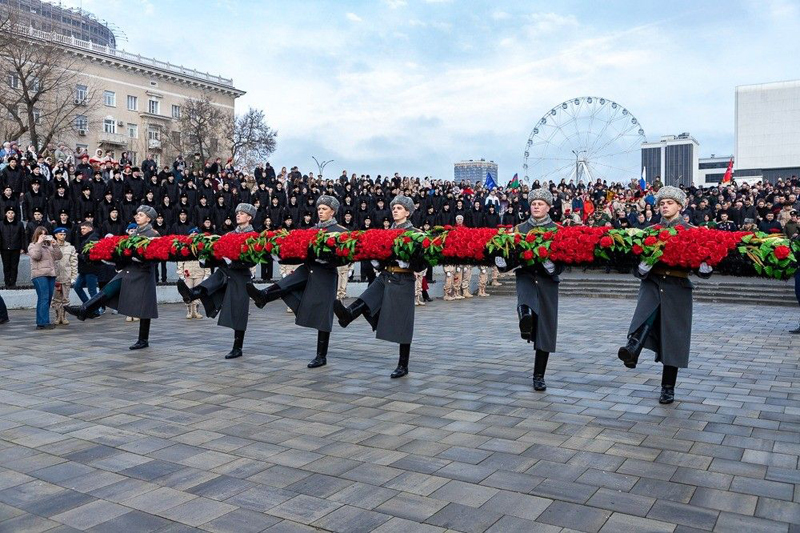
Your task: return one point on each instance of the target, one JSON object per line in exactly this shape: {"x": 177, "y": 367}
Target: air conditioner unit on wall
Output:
{"x": 120, "y": 123}
{"x": 82, "y": 133}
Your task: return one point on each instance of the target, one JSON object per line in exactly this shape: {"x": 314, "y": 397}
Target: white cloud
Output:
{"x": 500, "y": 15}
{"x": 394, "y": 4}
{"x": 352, "y": 17}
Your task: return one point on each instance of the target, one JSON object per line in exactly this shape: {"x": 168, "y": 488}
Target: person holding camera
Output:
{"x": 44, "y": 255}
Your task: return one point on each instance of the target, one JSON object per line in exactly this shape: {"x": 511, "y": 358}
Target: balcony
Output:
{"x": 116, "y": 139}
{"x": 154, "y": 144}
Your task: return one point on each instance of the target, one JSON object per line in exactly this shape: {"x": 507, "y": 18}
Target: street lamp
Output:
{"x": 321, "y": 166}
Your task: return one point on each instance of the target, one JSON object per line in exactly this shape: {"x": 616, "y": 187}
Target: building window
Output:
{"x": 81, "y": 122}
{"x": 37, "y": 115}
{"x": 152, "y": 107}
{"x": 153, "y": 134}
{"x": 109, "y": 125}
{"x": 35, "y": 85}
{"x": 81, "y": 94}
{"x": 133, "y": 103}
{"x": 13, "y": 80}
{"x": 110, "y": 98}
{"x": 176, "y": 138}
{"x": 176, "y": 111}
{"x": 133, "y": 131}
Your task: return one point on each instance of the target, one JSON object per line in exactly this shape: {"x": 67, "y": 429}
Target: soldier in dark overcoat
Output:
{"x": 388, "y": 303}
{"x": 662, "y": 321}
{"x": 132, "y": 292}
{"x": 310, "y": 290}
{"x": 225, "y": 291}
{"x": 537, "y": 290}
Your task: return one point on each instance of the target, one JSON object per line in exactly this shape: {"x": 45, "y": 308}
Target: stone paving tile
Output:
{"x": 262, "y": 443}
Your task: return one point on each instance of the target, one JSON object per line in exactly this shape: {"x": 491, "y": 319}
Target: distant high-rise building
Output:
{"x": 475, "y": 171}
{"x": 673, "y": 157}
{"x": 767, "y": 131}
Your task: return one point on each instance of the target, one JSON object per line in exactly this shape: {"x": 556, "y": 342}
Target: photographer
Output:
{"x": 44, "y": 254}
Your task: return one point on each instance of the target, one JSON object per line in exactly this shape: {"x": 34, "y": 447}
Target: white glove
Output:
{"x": 549, "y": 266}
{"x": 375, "y": 263}
{"x": 136, "y": 259}
{"x": 402, "y": 264}
{"x": 227, "y": 261}
{"x": 107, "y": 263}
{"x": 644, "y": 268}
{"x": 705, "y": 269}
{"x": 500, "y": 262}
{"x": 321, "y": 261}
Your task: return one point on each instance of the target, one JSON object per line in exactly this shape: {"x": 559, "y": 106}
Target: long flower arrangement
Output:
{"x": 734, "y": 253}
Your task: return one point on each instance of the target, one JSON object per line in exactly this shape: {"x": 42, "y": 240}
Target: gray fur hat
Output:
{"x": 328, "y": 200}
{"x": 247, "y": 209}
{"x": 405, "y": 201}
{"x": 672, "y": 193}
{"x": 148, "y": 211}
{"x": 541, "y": 194}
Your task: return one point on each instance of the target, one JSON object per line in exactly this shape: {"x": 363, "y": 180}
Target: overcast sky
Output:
{"x": 413, "y": 85}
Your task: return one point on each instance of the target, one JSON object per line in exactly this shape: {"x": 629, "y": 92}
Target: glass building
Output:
{"x": 475, "y": 171}
{"x": 674, "y": 158}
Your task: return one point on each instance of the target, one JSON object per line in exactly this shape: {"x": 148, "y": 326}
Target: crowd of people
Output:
{"x": 87, "y": 196}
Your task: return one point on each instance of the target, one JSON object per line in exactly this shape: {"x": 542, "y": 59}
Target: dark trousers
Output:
{"x": 163, "y": 267}
{"x": 797, "y": 285}
{"x": 266, "y": 270}
{"x": 10, "y": 266}
{"x": 367, "y": 272}
{"x": 3, "y": 310}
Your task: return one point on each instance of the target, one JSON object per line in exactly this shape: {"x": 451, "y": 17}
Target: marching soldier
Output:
{"x": 388, "y": 303}
{"x": 66, "y": 274}
{"x": 224, "y": 292}
{"x": 483, "y": 277}
{"x": 132, "y": 292}
{"x": 662, "y": 321}
{"x": 537, "y": 291}
{"x": 309, "y": 291}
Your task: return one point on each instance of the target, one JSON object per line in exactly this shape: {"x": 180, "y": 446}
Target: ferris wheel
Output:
{"x": 584, "y": 139}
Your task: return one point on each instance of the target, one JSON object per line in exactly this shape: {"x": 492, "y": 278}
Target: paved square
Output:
{"x": 174, "y": 438}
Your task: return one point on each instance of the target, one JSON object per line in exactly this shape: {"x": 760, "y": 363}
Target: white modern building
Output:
{"x": 675, "y": 158}
{"x": 767, "y": 130}
{"x": 475, "y": 171}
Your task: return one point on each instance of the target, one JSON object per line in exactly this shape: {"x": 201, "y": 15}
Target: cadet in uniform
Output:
{"x": 224, "y": 292}
{"x": 388, "y": 303}
{"x": 662, "y": 321}
{"x": 310, "y": 290}
{"x": 132, "y": 292}
{"x": 537, "y": 291}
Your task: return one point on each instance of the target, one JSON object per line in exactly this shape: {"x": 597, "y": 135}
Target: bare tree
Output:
{"x": 199, "y": 129}
{"x": 252, "y": 140}
{"x": 39, "y": 96}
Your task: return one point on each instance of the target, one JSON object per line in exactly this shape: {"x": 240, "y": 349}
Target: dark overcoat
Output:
{"x": 671, "y": 296}
{"x": 226, "y": 294}
{"x": 390, "y": 303}
{"x": 314, "y": 291}
{"x": 137, "y": 294}
{"x": 538, "y": 289}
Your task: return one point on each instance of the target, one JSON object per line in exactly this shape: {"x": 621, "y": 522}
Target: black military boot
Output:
{"x": 144, "y": 335}
{"x": 189, "y": 294}
{"x": 539, "y": 368}
{"x": 668, "y": 378}
{"x": 262, "y": 298}
{"x": 350, "y": 313}
{"x": 629, "y": 354}
{"x": 322, "y": 350}
{"x": 238, "y": 342}
{"x": 89, "y": 308}
{"x": 402, "y": 362}
{"x": 795, "y": 331}
{"x": 525, "y": 321}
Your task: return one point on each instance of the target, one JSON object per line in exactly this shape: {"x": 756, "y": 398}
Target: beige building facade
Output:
{"x": 133, "y": 103}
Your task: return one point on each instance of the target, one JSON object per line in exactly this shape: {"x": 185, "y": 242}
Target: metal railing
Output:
{"x": 121, "y": 54}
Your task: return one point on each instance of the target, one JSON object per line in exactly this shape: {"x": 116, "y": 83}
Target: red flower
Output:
{"x": 637, "y": 249}
{"x": 527, "y": 255}
{"x": 517, "y": 238}
{"x": 201, "y": 245}
{"x": 268, "y": 247}
{"x": 185, "y": 252}
{"x": 664, "y": 235}
{"x": 542, "y": 251}
{"x": 650, "y": 241}
{"x": 606, "y": 242}
{"x": 530, "y": 237}
{"x": 781, "y": 252}
{"x": 128, "y": 252}
{"x": 331, "y": 242}
{"x": 426, "y": 242}
{"x": 547, "y": 235}
{"x": 257, "y": 247}
{"x": 245, "y": 248}
{"x": 406, "y": 239}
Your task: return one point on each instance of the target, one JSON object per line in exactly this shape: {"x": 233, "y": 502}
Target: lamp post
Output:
{"x": 321, "y": 166}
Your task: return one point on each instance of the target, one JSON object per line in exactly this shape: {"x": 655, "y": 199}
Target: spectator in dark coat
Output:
{"x": 12, "y": 244}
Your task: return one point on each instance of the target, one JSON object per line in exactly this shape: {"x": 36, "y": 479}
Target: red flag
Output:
{"x": 728, "y": 173}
